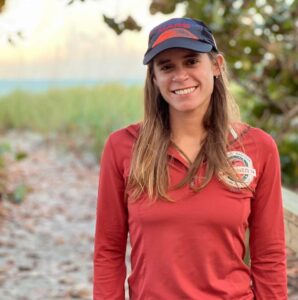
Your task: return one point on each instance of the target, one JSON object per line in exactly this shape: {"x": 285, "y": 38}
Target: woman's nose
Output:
{"x": 180, "y": 74}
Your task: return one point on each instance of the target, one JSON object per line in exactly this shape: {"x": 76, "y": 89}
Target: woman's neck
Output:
{"x": 187, "y": 133}
{"x": 186, "y": 127}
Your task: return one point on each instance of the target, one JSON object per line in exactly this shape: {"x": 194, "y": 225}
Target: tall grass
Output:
{"x": 93, "y": 112}
{"x": 77, "y": 112}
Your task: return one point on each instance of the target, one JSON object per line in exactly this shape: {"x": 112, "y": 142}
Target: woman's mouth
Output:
{"x": 184, "y": 91}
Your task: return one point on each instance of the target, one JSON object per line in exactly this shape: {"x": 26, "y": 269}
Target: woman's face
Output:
{"x": 185, "y": 79}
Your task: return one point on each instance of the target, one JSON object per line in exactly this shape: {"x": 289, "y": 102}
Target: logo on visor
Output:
{"x": 175, "y": 33}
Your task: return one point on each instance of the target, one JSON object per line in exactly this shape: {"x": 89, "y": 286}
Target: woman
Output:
{"x": 187, "y": 183}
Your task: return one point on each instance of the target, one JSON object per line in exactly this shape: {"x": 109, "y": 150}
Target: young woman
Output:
{"x": 187, "y": 183}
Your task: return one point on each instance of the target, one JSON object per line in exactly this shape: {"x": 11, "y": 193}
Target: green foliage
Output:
{"x": 289, "y": 161}
{"x": 119, "y": 27}
{"x": 252, "y": 111}
{"x": 21, "y": 155}
{"x": 19, "y": 194}
{"x": 164, "y": 6}
{"x": 78, "y": 112}
{"x": 91, "y": 112}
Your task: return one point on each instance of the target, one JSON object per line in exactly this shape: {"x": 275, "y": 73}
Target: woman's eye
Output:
{"x": 165, "y": 68}
{"x": 192, "y": 61}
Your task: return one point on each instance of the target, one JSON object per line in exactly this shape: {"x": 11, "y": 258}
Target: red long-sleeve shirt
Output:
{"x": 193, "y": 248}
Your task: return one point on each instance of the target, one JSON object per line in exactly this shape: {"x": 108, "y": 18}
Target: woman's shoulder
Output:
{"x": 121, "y": 141}
{"x": 125, "y": 134}
{"x": 119, "y": 145}
{"x": 263, "y": 140}
{"x": 258, "y": 136}
{"x": 253, "y": 148}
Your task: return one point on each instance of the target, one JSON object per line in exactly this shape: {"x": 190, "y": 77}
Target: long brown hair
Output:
{"x": 149, "y": 165}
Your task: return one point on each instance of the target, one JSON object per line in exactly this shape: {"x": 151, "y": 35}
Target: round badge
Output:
{"x": 243, "y": 166}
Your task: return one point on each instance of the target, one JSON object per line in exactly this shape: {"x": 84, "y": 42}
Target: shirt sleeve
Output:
{"x": 111, "y": 231}
{"x": 267, "y": 238}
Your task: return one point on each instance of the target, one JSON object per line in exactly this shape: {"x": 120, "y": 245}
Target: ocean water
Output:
{"x": 38, "y": 85}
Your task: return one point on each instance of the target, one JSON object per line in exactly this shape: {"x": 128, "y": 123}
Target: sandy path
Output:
{"x": 46, "y": 243}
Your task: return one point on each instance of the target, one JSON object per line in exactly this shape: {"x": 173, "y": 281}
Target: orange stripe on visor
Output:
{"x": 174, "y": 33}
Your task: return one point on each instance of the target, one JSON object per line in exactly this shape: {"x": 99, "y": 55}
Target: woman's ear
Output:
{"x": 218, "y": 64}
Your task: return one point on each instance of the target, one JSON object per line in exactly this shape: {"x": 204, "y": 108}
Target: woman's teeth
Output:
{"x": 184, "y": 91}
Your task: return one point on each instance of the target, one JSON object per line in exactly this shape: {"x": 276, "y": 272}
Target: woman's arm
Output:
{"x": 111, "y": 231}
{"x": 267, "y": 238}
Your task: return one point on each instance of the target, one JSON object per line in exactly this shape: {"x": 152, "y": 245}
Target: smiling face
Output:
{"x": 185, "y": 79}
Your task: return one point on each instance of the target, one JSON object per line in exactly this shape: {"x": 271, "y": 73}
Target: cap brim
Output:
{"x": 184, "y": 43}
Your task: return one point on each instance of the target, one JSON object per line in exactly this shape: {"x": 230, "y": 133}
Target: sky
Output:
{"x": 73, "y": 42}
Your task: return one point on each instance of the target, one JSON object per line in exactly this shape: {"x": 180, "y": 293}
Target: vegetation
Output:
{"x": 87, "y": 115}
{"x": 17, "y": 194}
{"x": 92, "y": 113}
